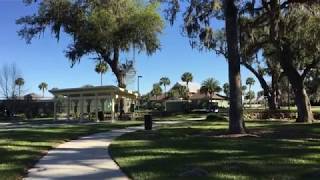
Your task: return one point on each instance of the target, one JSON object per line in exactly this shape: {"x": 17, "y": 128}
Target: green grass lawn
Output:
{"x": 181, "y": 117}
{"x": 20, "y": 148}
{"x": 279, "y": 150}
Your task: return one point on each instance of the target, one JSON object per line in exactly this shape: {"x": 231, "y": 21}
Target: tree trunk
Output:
{"x": 101, "y": 79}
{"x": 297, "y": 81}
{"x": 264, "y": 85}
{"x": 210, "y": 102}
{"x": 121, "y": 80}
{"x": 115, "y": 67}
{"x": 273, "y": 98}
{"x": 272, "y": 103}
{"x": 274, "y": 88}
{"x": 250, "y": 96}
{"x": 236, "y": 123}
{"x": 303, "y": 105}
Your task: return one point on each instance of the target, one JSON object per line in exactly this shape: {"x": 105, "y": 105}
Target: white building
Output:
{"x": 89, "y": 101}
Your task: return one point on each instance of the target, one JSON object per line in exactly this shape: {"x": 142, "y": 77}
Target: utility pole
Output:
{"x": 288, "y": 95}
{"x": 139, "y": 91}
{"x": 139, "y": 84}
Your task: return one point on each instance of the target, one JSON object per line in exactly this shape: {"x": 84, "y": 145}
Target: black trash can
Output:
{"x": 148, "y": 122}
{"x": 100, "y": 116}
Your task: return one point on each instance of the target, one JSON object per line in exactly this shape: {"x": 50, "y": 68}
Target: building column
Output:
{"x": 68, "y": 108}
{"x": 119, "y": 103}
{"x": 112, "y": 108}
{"x": 125, "y": 103}
{"x": 54, "y": 108}
{"x": 97, "y": 106}
{"x": 81, "y": 106}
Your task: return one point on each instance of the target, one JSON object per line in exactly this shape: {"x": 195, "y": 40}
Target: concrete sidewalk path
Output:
{"x": 84, "y": 159}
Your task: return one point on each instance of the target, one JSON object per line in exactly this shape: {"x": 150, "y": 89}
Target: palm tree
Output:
{"x": 226, "y": 89}
{"x": 250, "y": 82}
{"x": 165, "y": 81}
{"x": 249, "y": 96}
{"x": 243, "y": 88}
{"x": 156, "y": 90}
{"x": 180, "y": 90}
{"x": 210, "y": 86}
{"x": 43, "y": 86}
{"x": 101, "y": 68}
{"x": 19, "y": 82}
{"x": 187, "y": 78}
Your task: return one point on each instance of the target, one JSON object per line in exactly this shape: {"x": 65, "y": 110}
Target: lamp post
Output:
{"x": 139, "y": 84}
{"x": 138, "y": 107}
{"x": 288, "y": 95}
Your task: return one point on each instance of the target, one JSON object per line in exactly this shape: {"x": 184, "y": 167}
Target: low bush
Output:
{"x": 267, "y": 114}
{"x": 215, "y": 117}
{"x": 316, "y": 115}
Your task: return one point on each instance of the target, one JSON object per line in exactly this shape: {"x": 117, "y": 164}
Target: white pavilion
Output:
{"x": 89, "y": 101}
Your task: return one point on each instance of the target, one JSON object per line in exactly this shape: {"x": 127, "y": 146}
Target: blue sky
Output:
{"x": 44, "y": 59}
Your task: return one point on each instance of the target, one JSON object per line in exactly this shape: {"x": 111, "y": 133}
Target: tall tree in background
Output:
{"x": 101, "y": 68}
{"x": 180, "y": 91}
{"x": 102, "y": 28}
{"x": 165, "y": 81}
{"x": 198, "y": 17}
{"x": 19, "y": 82}
{"x": 313, "y": 84}
{"x": 250, "y": 96}
{"x": 187, "y": 78}
{"x": 209, "y": 87}
{"x": 226, "y": 89}
{"x": 43, "y": 87}
{"x": 156, "y": 90}
{"x": 250, "y": 82}
{"x": 8, "y": 76}
{"x": 292, "y": 28}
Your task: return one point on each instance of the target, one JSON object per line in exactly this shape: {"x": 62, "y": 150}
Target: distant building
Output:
{"x": 32, "y": 96}
{"x": 87, "y": 100}
{"x": 195, "y": 98}
{"x": 31, "y": 105}
{"x": 199, "y": 99}
{"x": 193, "y": 87}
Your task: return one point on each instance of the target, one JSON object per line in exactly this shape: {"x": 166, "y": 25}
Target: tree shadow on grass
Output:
{"x": 284, "y": 152}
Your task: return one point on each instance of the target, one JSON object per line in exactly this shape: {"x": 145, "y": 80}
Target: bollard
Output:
{"x": 148, "y": 122}
{"x": 100, "y": 116}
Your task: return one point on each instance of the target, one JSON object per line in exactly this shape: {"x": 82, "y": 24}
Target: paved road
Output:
{"x": 84, "y": 159}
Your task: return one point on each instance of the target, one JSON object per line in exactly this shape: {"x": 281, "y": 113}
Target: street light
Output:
{"x": 138, "y": 104}
{"x": 139, "y": 84}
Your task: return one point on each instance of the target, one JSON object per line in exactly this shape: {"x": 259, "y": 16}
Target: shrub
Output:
{"x": 316, "y": 115}
{"x": 267, "y": 114}
{"x": 215, "y": 117}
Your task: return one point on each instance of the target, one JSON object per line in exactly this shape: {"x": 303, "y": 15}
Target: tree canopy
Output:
{"x": 101, "y": 68}
{"x": 210, "y": 86}
{"x": 101, "y": 28}
{"x": 156, "y": 90}
{"x": 43, "y": 86}
{"x": 19, "y": 82}
{"x": 187, "y": 77}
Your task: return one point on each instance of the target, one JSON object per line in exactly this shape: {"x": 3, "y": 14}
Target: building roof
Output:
{"x": 157, "y": 98}
{"x": 32, "y": 96}
{"x": 92, "y": 89}
{"x": 199, "y": 96}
